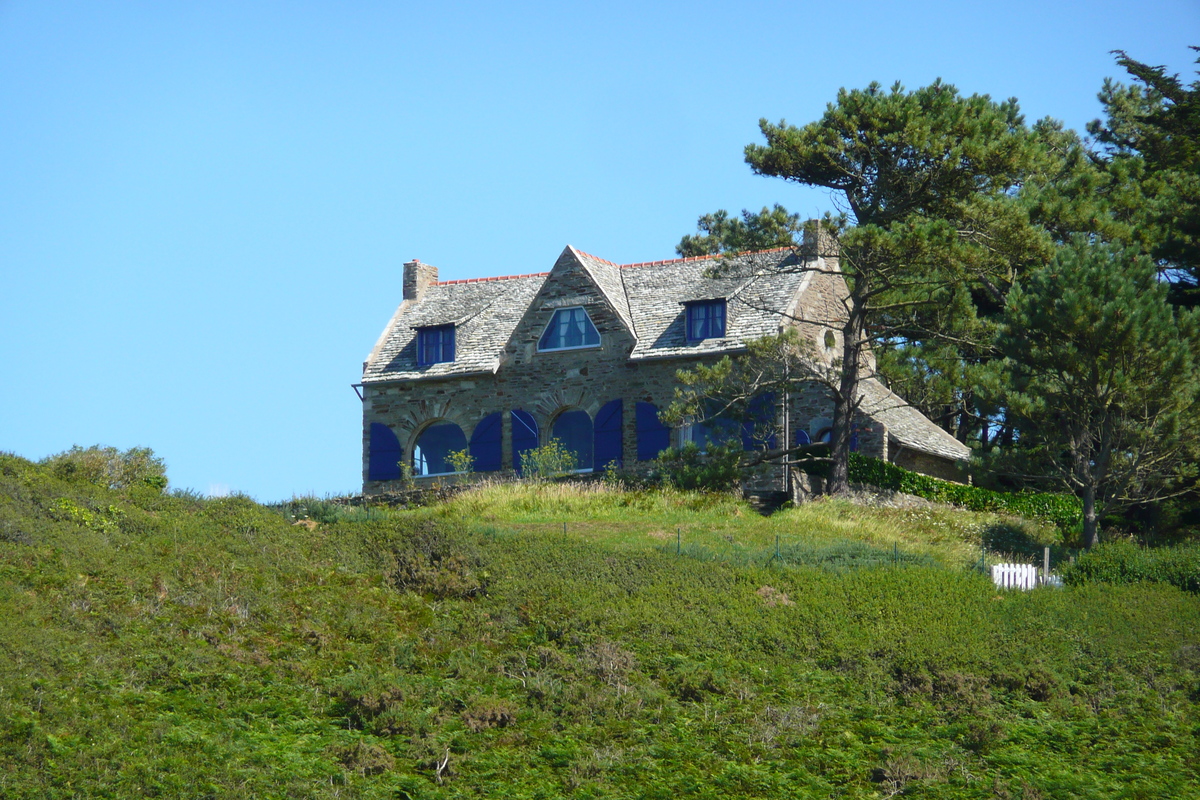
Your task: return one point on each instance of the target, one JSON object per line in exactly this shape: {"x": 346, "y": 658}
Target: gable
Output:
{"x": 573, "y": 283}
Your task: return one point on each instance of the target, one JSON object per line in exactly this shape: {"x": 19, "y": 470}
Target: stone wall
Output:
{"x": 928, "y": 464}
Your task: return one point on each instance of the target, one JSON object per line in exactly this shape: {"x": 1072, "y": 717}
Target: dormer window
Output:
{"x": 705, "y": 320}
{"x": 435, "y": 345}
{"x": 569, "y": 329}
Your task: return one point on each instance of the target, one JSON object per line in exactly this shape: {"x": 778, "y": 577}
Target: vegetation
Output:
{"x": 550, "y": 460}
{"x": 1025, "y": 288}
{"x": 1124, "y": 562}
{"x": 1100, "y": 372}
{"x": 165, "y": 644}
{"x": 1061, "y": 510}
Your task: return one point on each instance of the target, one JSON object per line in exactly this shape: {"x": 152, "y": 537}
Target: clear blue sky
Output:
{"x": 206, "y": 205}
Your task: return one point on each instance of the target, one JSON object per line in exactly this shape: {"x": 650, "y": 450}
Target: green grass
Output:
{"x": 153, "y": 645}
{"x": 721, "y": 523}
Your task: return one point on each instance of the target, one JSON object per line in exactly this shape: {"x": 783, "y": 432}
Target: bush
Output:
{"x": 431, "y": 560}
{"x": 689, "y": 469}
{"x": 109, "y": 467}
{"x": 1125, "y": 562}
{"x": 551, "y": 460}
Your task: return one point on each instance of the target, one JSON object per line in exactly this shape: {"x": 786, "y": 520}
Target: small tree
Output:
{"x": 110, "y": 467}
{"x": 551, "y": 460}
{"x": 1102, "y": 373}
{"x": 730, "y": 396}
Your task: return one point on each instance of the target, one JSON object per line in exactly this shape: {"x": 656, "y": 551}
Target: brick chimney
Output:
{"x": 820, "y": 242}
{"x": 417, "y": 278}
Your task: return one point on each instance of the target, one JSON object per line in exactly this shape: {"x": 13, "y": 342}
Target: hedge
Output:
{"x": 1062, "y": 510}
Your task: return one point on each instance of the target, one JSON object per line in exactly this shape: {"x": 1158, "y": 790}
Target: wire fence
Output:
{"x": 835, "y": 557}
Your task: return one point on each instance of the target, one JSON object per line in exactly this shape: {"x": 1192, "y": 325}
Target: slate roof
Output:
{"x": 484, "y": 314}
{"x": 907, "y": 425}
{"x": 755, "y": 301}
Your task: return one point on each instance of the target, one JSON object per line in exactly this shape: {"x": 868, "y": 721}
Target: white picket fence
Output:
{"x": 1022, "y": 576}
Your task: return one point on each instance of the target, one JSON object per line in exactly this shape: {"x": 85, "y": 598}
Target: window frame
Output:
{"x": 692, "y": 307}
{"x": 441, "y": 330}
{"x": 599, "y": 339}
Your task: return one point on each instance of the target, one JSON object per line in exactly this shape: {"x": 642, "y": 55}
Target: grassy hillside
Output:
{"x": 155, "y": 645}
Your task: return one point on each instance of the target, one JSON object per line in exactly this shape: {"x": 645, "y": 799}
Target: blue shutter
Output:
{"x": 652, "y": 436}
{"x": 384, "y": 454}
{"x": 448, "y": 347}
{"x": 607, "y": 432}
{"x": 802, "y": 438}
{"x": 760, "y": 412}
{"x": 485, "y": 443}
{"x": 524, "y": 435}
{"x": 854, "y": 442}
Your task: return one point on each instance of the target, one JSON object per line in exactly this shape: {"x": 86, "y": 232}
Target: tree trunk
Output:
{"x": 844, "y": 400}
{"x": 1091, "y": 525}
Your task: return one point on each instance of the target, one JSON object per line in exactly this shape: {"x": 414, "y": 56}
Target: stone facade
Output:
{"x": 638, "y": 311}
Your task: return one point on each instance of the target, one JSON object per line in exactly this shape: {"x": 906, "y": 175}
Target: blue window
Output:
{"x": 607, "y": 446}
{"x": 435, "y": 345}
{"x": 569, "y": 328}
{"x": 431, "y": 455}
{"x": 705, "y": 320}
{"x": 485, "y": 443}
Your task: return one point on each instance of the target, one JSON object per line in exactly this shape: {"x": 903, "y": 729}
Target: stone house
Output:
{"x": 587, "y": 353}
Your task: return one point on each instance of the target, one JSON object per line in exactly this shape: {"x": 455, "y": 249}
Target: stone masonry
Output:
{"x": 638, "y": 311}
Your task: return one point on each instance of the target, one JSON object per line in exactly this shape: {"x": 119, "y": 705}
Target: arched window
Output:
{"x": 758, "y": 429}
{"x": 430, "y": 455}
{"x": 608, "y": 439}
{"x": 574, "y": 430}
{"x": 716, "y": 430}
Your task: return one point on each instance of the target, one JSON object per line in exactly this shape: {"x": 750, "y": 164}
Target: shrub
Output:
{"x": 309, "y": 508}
{"x": 430, "y": 560}
{"x": 690, "y": 469}
{"x": 1125, "y": 562}
{"x": 109, "y": 467}
{"x": 551, "y": 460}
{"x": 461, "y": 461}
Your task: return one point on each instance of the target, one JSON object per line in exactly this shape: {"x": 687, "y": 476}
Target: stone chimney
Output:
{"x": 820, "y": 242}
{"x": 417, "y": 278}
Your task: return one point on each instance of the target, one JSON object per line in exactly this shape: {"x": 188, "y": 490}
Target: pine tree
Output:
{"x": 1101, "y": 373}
{"x": 925, "y": 180}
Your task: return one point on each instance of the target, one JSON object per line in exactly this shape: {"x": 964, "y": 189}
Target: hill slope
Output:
{"x": 153, "y": 645}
